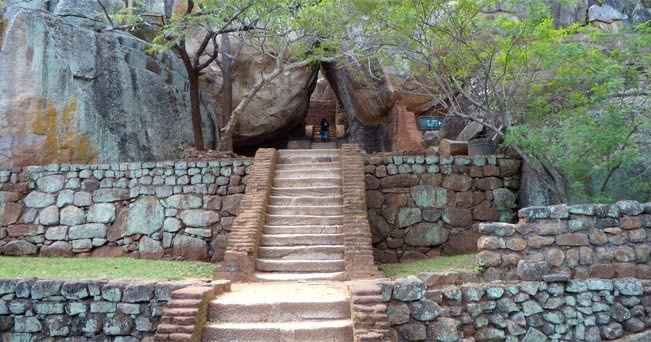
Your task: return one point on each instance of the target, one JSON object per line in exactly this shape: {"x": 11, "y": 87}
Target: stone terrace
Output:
{"x": 176, "y": 209}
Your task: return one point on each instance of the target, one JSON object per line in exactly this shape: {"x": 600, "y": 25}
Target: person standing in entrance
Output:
{"x": 325, "y": 130}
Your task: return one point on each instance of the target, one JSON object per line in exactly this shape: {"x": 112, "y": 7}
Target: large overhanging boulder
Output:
{"x": 71, "y": 94}
{"x": 279, "y": 106}
{"x": 367, "y": 97}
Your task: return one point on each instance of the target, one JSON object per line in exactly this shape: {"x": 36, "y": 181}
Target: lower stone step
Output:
{"x": 308, "y": 166}
{"x": 301, "y": 239}
{"x": 275, "y": 230}
{"x": 306, "y": 182}
{"x": 310, "y": 220}
{"x": 272, "y": 265}
{"x": 319, "y": 252}
{"x": 281, "y": 302}
{"x": 330, "y": 191}
{"x": 330, "y": 210}
{"x": 303, "y": 159}
{"x": 313, "y": 331}
{"x": 308, "y": 173}
{"x": 333, "y": 199}
{"x": 308, "y": 276}
{"x": 322, "y": 145}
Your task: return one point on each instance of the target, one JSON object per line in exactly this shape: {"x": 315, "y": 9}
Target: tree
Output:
{"x": 277, "y": 29}
{"x": 210, "y": 19}
{"x": 522, "y": 78}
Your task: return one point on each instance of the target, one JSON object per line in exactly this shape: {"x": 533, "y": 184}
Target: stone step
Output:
{"x": 301, "y": 240}
{"x": 329, "y": 191}
{"x": 333, "y": 199}
{"x": 313, "y": 331}
{"x": 309, "y": 220}
{"x": 292, "y": 276}
{"x": 272, "y": 265}
{"x": 322, "y": 145}
{"x": 311, "y": 252}
{"x": 308, "y": 152}
{"x": 308, "y": 173}
{"x": 308, "y": 166}
{"x": 306, "y": 182}
{"x": 305, "y": 210}
{"x": 281, "y": 303}
{"x": 304, "y": 159}
{"x": 273, "y": 230}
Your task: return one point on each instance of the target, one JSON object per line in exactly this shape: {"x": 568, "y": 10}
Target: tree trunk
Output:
{"x": 196, "y": 110}
{"x": 226, "y": 140}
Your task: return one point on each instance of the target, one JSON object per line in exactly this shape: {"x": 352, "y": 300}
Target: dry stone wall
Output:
{"x": 579, "y": 241}
{"x": 426, "y": 205}
{"x": 576, "y": 310}
{"x": 57, "y": 310}
{"x": 180, "y": 209}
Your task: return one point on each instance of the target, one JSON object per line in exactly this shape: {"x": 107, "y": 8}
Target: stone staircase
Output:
{"x": 302, "y": 238}
{"x": 281, "y": 312}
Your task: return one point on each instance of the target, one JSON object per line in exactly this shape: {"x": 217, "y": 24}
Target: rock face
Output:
{"x": 367, "y": 100}
{"x": 279, "y": 106}
{"x": 71, "y": 94}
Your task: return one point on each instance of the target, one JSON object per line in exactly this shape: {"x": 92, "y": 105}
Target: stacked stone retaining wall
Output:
{"x": 580, "y": 241}
{"x": 180, "y": 209}
{"x": 426, "y": 205}
{"x": 53, "y": 310}
{"x": 576, "y": 310}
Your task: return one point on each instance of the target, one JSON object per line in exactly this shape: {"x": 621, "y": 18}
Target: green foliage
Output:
{"x": 562, "y": 93}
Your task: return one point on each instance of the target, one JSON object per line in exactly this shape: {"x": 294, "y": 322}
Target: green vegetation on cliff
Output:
{"x": 572, "y": 101}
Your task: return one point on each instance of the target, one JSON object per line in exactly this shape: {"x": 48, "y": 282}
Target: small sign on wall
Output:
{"x": 430, "y": 123}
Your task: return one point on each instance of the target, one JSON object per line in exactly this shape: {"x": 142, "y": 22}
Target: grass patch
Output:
{"x": 464, "y": 263}
{"x": 102, "y": 268}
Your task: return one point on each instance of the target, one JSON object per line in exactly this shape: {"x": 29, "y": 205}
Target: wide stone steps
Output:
{"x": 334, "y": 199}
{"x": 323, "y": 145}
{"x": 313, "y": 252}
{"x": 310, "y": 220}
{"x": 273, "y": 230}
{"x": 300, "y": 277}
{"x": 332, "y": 210}
{"x": 280, "y": 312}
{"x": 316, "y": 331}
{"x": 313, "y": 191}
{"x": 308, "y": 173}
{"x": 307, "y": 182}
{"x": 304, "y": 159}
{"x": 274, "y": 265}
{"x": 308, "y": 152}
{"x": 307, "y": 166}
{"x": 301, "y": 239}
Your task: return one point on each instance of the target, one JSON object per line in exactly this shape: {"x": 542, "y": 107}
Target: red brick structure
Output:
{"x": 406, "y": 135}
{"x": 358, "y": 253}
{"x": 369, "y": 313}
{"x": 242, "y": 249}
{"x": 185, "y": 316}
{"x": 323, "y": 104}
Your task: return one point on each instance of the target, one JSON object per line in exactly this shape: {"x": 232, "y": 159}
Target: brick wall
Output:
{"x": 163, "y": 209}
{"x": 358, "y": 252}
{"x": 422, "y": 205}
{"x": 242, "y": 249}
{"x": 589, "y": 240}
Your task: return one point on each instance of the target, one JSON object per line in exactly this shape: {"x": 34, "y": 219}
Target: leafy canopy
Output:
{"x": 573, "y": 98}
